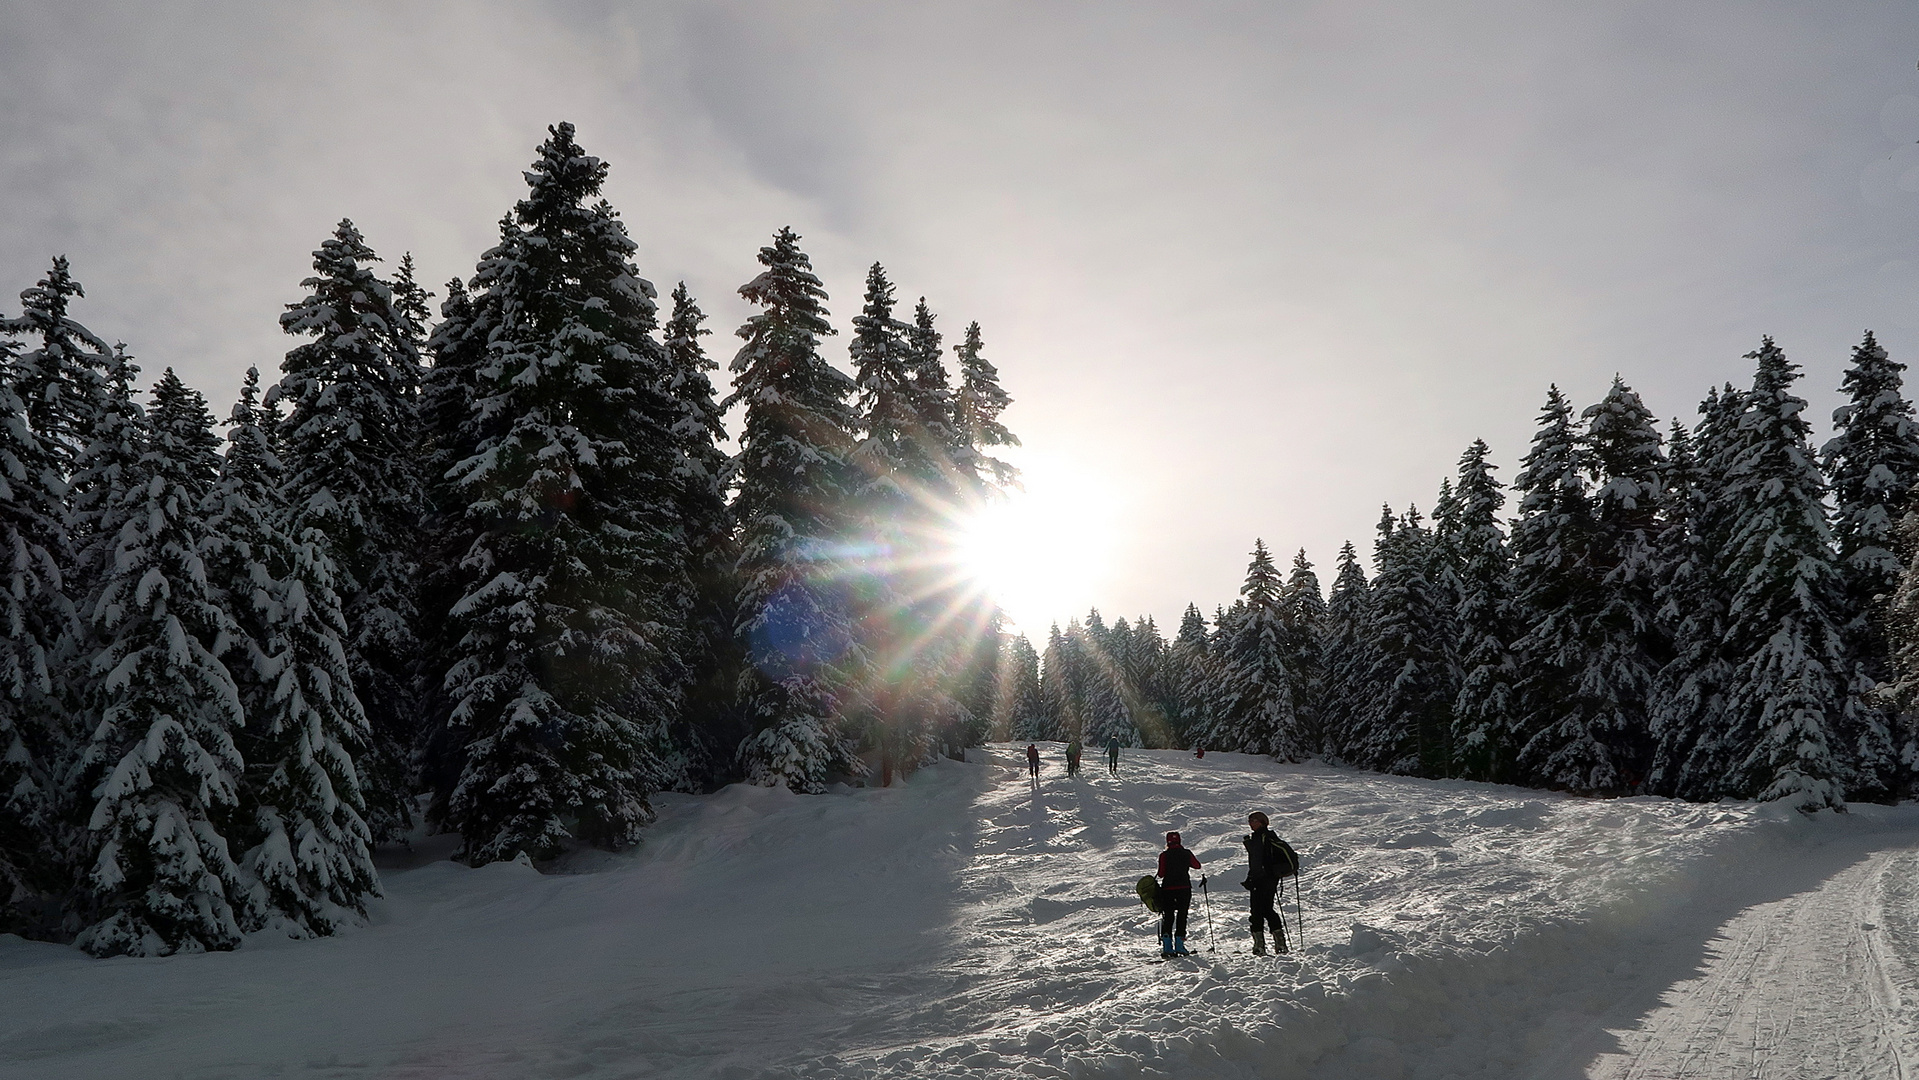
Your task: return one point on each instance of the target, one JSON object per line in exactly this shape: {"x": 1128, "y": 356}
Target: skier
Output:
{"x": 1072, "y": 757}
{"x": 1268, "y": 862}
{"x": 1112, "y": 754}
{"x": 1032, "y": 760}
{"x": 1175, "y": 895}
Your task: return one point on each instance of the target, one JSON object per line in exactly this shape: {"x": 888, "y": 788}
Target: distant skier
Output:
{"x": 1072, "y": 758}
{"x": 1269, "y": 861}
{"x": 1199, "y": 751}
{"x": 1032, "y": 760}
{"x": 1112, "y": 755}
{"x": 1175, "y": 895}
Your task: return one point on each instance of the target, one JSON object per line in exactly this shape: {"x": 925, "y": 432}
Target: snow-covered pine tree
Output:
{"x": 1687, "y": 707}
{"x": 1255, "y": 695}
{"x": 566, "y": 671}
{"x": 1901, "y": 693}
{"x": 976, "y": 414}
{"x": 709, "y": 733}
{"x": 1351, "y": 657}
{"x": 1407, "y": 727}
{"x": 1558, "y": 599}
{"x": 1485, "y": 722}
{"x": 892, "y": 511}
{"x": 411, "y": 301}
{"x": 794, "y": 621}
{"x": 1109, "y": 697}
{"x": 1019, "y": 712}
{"x": 350, "y": 443}
{"x": 1305, "y": 616}
{"x": 1152, "y": 701}
{"x": 61, "y": 377}
{"x": 1062, "y": 679}
{"x": 37, "y": 625}
{"x": 1872, "y": 464}
{"x": 1188, "y": 675}
{"x": 159, "y": 771}
{"x": 452, "y": 431}
{"x": 929, "y": 393}
{"x": 1790, "y": 697}
{"x": 1603, "y": 742}
{"x": 950, "y": 491}
{"x": 299, "y": 828}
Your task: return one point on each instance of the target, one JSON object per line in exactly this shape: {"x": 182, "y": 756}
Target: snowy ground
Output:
{"x": 961, "y": 925}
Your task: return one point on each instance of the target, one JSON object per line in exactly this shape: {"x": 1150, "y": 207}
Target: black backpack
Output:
{"x": 1281, "y": 854}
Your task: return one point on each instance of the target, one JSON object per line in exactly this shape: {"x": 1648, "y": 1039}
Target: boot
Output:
{"x": 1166, "y": 945}
{"x": 1259, "y": 943}
{"x": 1179, "y": 947}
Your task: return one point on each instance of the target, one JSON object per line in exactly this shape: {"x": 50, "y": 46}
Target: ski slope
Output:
{"x": 964, "y": 924}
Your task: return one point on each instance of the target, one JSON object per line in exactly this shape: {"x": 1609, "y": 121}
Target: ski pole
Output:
{"x": 1212, "y": 943}
{"x": 1299, "y": 909}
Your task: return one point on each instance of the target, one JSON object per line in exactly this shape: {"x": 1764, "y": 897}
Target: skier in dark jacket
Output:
{"x": 1032, "y": 760}
{"x": 1269, "y": 860}
{"x": 1176, "y": 865}
{"x": 1112, "y": 755}
{"x": 1072, "y": 758}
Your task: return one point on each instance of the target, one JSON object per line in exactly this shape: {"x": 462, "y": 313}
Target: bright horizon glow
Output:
{"x": 1043, "y": 551}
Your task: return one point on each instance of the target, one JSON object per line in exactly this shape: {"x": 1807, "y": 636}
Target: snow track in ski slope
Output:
{"x": 1814, "y": 985}
{"x": 964, "y": 924}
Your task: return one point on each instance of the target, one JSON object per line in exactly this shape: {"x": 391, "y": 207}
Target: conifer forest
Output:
{"x": 505, "y": 560}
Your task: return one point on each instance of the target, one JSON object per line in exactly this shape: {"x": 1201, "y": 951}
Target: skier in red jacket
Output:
{"x": 1176, "y": 865}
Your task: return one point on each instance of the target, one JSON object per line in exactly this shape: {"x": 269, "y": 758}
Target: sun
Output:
{"x": 1041, "y": 551}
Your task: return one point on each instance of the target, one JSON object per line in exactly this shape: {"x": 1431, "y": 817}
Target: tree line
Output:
{"x": 1724, "y": 611}
{"x": 493, "y": 569}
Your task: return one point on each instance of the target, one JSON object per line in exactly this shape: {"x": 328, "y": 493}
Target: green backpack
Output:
{"x": 1149, "y": 893}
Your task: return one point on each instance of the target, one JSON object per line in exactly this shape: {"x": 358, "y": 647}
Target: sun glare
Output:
{"x": 1041, "y": 552}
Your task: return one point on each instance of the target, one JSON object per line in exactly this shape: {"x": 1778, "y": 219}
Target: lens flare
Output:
{"x": 1041, "y": 552}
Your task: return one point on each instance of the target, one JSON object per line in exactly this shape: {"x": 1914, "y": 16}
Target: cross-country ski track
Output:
{"x": 963, "y": 923}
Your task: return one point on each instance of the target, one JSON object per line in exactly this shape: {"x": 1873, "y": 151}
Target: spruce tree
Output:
{"x": 565, "y": 670}
{"x": 1255, "y": 705}
{"x": 1064, "y": 678}
{"x": 794, "y": 621}
{"x": 709, "y": 733}
{"x": 350, "y": 444}
{"x": 1189, "y": 673}
{"x": 889, "y": 509}
{"x": 1790, "y": 697}
{"x": 1687, "y": 705}
{"x": 1110, "y": 699}
{"x": 1485, "y": 720}
{"x": 976, "y": 414}
{"x": 1567, "y": 725}
{"x": 1351, "y": 657}
{"x": 1872, "y": 464}
{"x": 299, "y": 829}
{"x": 1304, "y": 617}
{"x": 929, "y": 394}
{"x": 452, "y": 431}
{"x": 1407, "y": 727}
{"x": 1603, "y": 742}
{"x": 39, "y": 624}
{"x": 1019, "y": 712}
{"x": 61, "y": 376}
{"x": 159, "y": 770}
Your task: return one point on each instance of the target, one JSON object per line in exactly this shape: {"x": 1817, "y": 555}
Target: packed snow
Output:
{"x": 961, "y": 923}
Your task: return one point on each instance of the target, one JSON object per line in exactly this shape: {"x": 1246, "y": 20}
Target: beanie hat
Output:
{"x": 1172, "y": 838}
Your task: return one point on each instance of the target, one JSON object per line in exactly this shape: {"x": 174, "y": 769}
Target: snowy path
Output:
{"x": 964, "y": 924}
{"x": 1818, "y": 984}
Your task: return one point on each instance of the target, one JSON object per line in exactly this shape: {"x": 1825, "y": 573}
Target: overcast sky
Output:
{"x": 1248, "y": 269}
